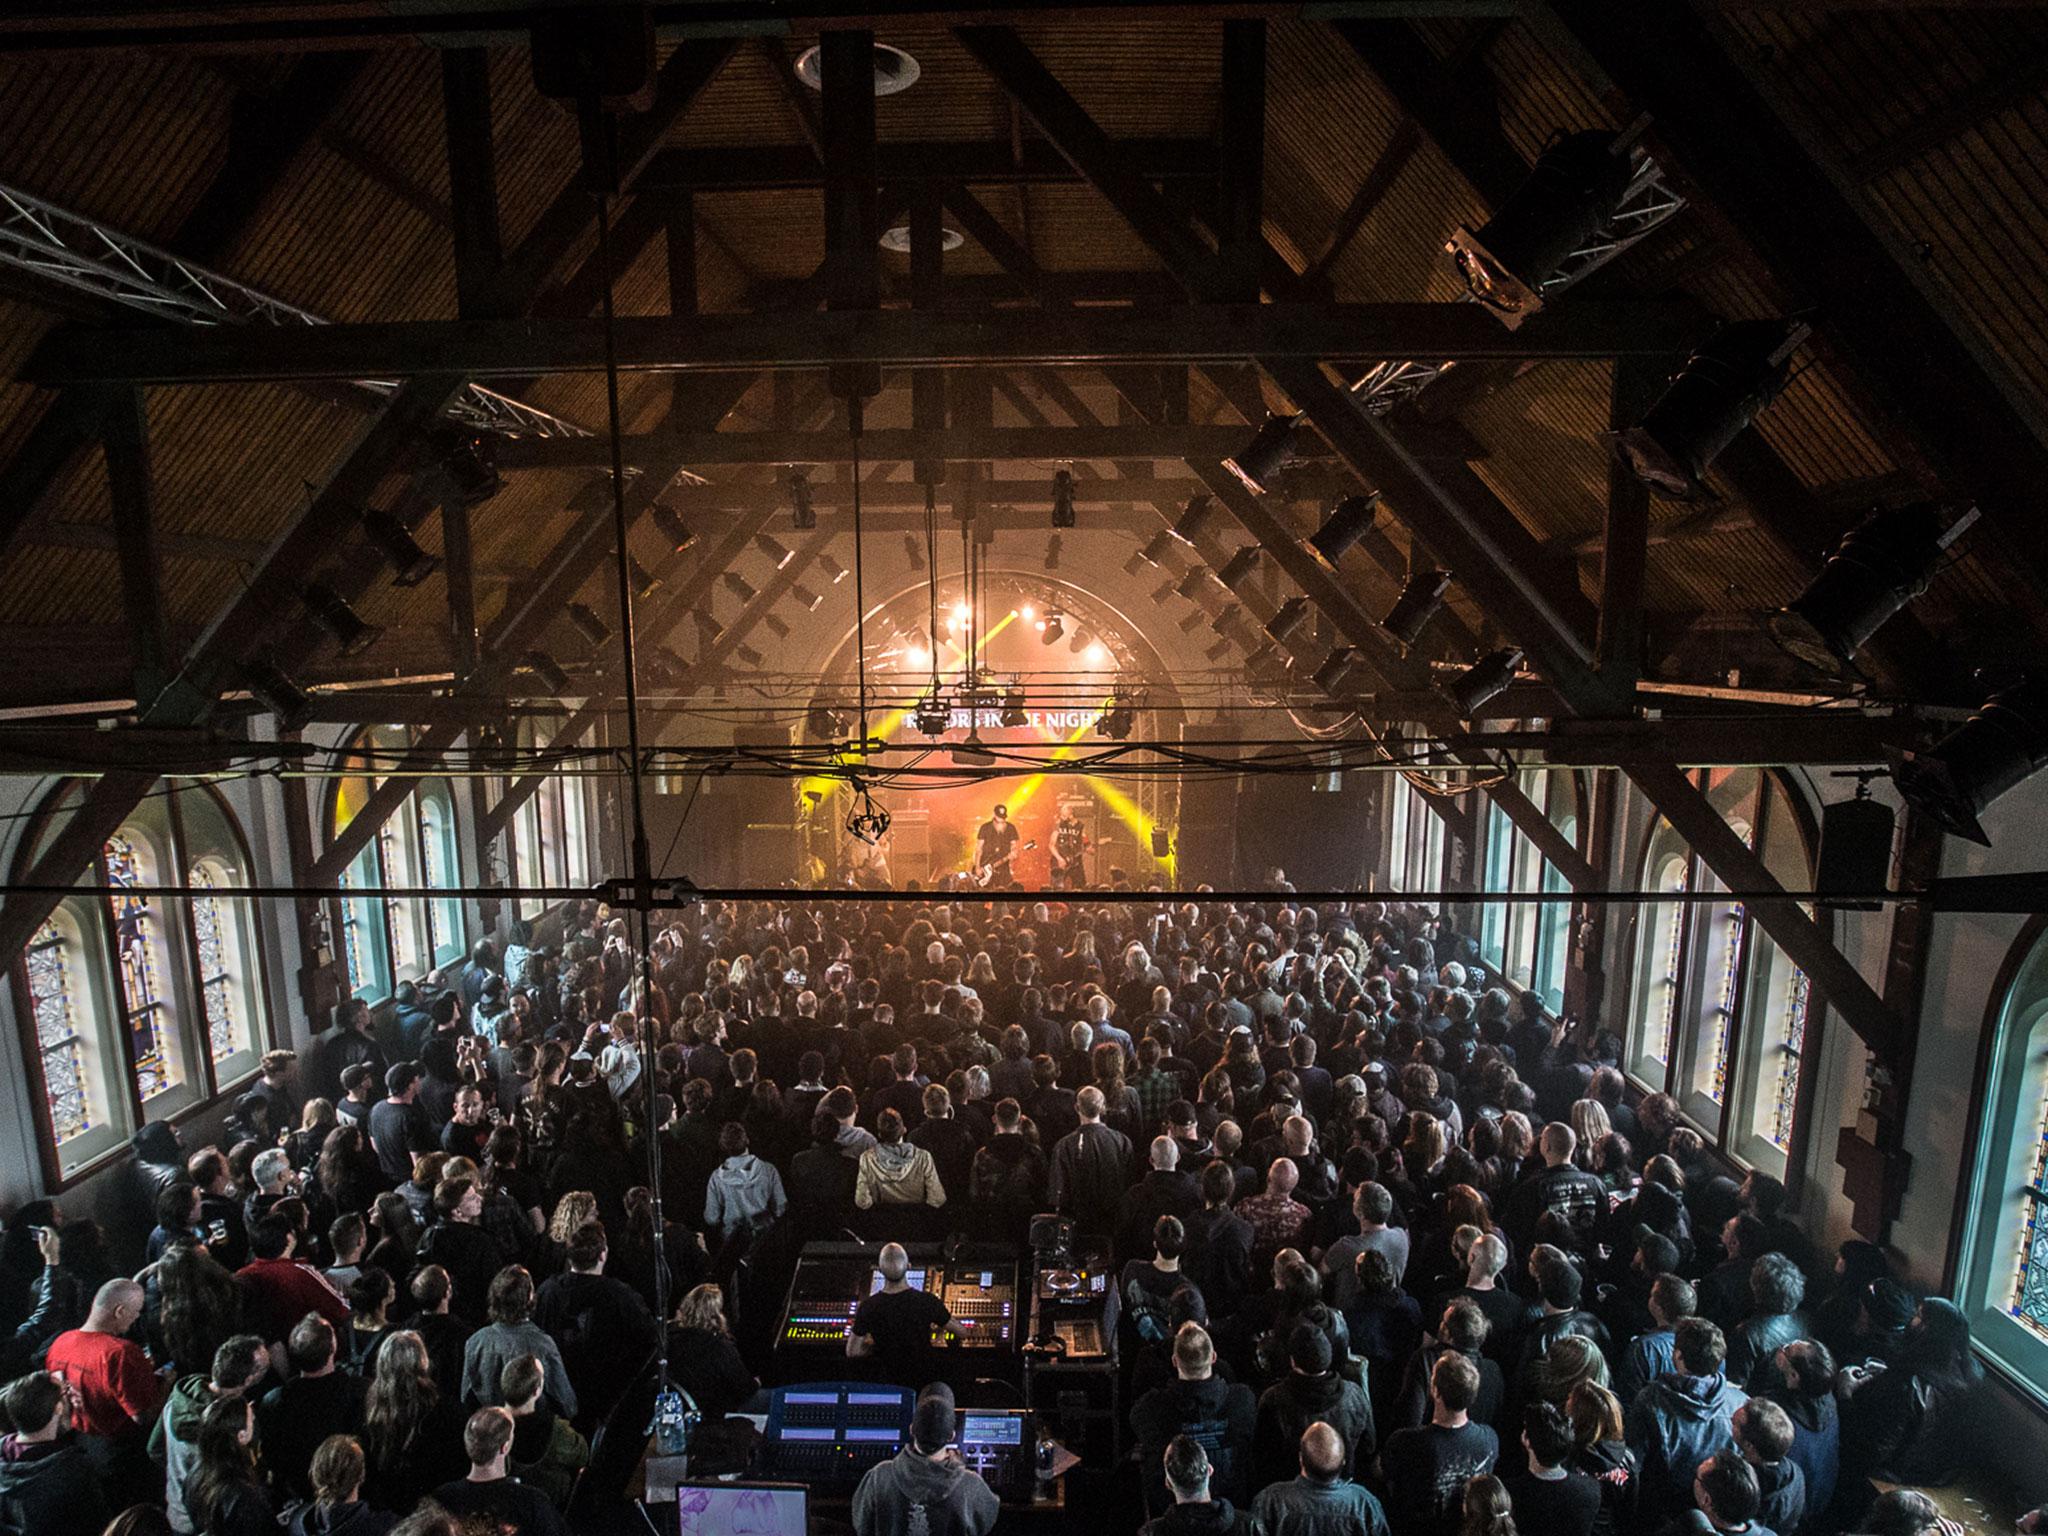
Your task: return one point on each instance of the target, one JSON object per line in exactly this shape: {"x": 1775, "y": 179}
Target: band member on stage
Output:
{"x": 1069, "y": 850}
{"x": 995, "y": 844}
{"x": 865, "y": 865}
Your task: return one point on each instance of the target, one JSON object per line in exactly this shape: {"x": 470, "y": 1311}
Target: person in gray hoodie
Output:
{"x": 239, "y": 1366}
{"x": 926, "y": 1486}
{"x": 743, "y": 1191}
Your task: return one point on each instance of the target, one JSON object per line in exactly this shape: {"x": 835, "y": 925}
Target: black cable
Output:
{"x": 860, "y": 601}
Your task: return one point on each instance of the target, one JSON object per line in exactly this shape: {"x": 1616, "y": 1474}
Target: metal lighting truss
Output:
{"x": 64, "y": 247}
{"x": 1646, "y": 205}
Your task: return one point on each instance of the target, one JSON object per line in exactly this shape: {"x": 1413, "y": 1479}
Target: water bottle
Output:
{"x": 672, "y": 1425}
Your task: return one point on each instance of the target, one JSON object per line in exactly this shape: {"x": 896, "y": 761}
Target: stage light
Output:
{"x": 827, "y": 723}
{"x": 746, "y": 653}
{"x": 775, "y": 626}
{"x": 708, "y": 628}
{"x": 1239, "y": 566}
{"x": 1015, "y": 712}
{"x": 832, "y": 568}
{"x": 1574, "y": 189}
{"x": 1027, "y": 613}
{"x": 645, "y": 582}
{"x": 270, "y": 686}
{"x": 972, "y": 753}
{"x": 1881, "y": 565}
{"x": 1422, "y": 597}
{"x": 740, "y": 587}
{"x": 588, "y": 624}
{"x": 1484, "y": 680}
{"x": 2003, "y": 743}
{"x": 355, "y": 633}
{"x": 774, "y": 549}
{"x": 1157, "y": 549}
{"x": 1097, "y": 655}
{"x": 1344, "y": 527}
{"x": 1063, "y": 498}
{"x": 1052, "y": 553}
{"x": 1228, "y": 621}
{"x": 918, "y": 656}
{"x": 1271, "y": 450}
{"x": 544, "y": 667}
{"x": 1287, "y": 618}
{"x": 1220, "y": 649}
{"x": 1053, "y": 627}
{"x": 803, "y": 517}
{"x": 1120, "y": 715}
{"x": 668, "y": 522}
{"x": 1192, "y": 621}
{"x": 931, "y": 716}
{"x": 1193, "y": 518}
{"x": 1078, "y": 641}
{"x": 1336, "y": 669}
{"x": 469, "y": 466}
{"x": 1723, "y": 386}
{"x": 1161, "y": 594}
{"x": 1136, "y": 563}
{"x": 806, "y": 596}
{"x": 1191, "y": 583}
{"x": 962, "y": 613}
{"x": 410, "y": 564}
{"x": 913, "y": 552}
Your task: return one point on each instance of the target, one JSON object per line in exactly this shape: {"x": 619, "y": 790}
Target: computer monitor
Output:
{"x": 914, "y": 1278}
{"x": 991, "y": 1428}
{"x": 742, "y": 1509}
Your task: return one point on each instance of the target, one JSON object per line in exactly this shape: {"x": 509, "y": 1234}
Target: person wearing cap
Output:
{"x": 1322, "y": 1501}
{"x": 925, "y": 1487}
{"x": 1311, "y": 1393}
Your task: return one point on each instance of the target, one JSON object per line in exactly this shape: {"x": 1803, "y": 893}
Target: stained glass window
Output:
{"x": 1791, "y": 1057}
{"x": 1721, "y": 1017}
{"x": 139, "y": 944}
{"x": 2030, "y": 1277}
{"x": 1665, "y": 985}
{"x": 216, "y": 934}
{"x": 53, "y": 999}
{"x": 405, "y": 954}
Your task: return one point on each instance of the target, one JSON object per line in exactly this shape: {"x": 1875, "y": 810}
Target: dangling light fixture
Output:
{"x": 1271, "y": 450}
{"x": 1881, "y": 565}
{"x": 1421, "y": 599}
{"x": 410, "y": 564}
{"x": 355, "y": 633}
{"x": 1734, "y": 375}
{"x": 1484, "y": 680}
{"x": 1344, "y": 527}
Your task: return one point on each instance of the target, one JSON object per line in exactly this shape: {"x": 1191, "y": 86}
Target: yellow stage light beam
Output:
{"x": 1064, "y": 750}
{"x": 1128, "y": 811}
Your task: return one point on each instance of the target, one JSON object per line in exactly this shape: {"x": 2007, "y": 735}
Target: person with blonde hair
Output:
{"x": 337, "y": 1472}
{"x": 702, "y": 1357}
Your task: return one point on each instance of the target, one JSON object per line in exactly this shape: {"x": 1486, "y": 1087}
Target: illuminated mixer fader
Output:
{"x": 828, "y": 1434}
{"x": 832, "y": 1280}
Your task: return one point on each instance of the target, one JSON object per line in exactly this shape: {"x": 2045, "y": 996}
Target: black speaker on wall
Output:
{"x": 1855, "y": 850}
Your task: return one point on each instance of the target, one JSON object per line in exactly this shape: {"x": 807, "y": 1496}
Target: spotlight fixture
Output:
{"x": 832, "y": 568}
{"x": 1052, "y": 553}
{"x": 897, "y": 238}
{"x": 1344, "y": 527}
{"x": 1287, "y": 618}
{"x": 1336, "y": 669}
{"x": 1063, "y": 498}
{"x": 355, "y": 633}
{"x": 544, "y": 667}
{"x": 803, "y": 517}
{"x": 747, "y": 654}
{"x": 1574, "y": 189}
{"x": 1078, "y": 641}
{"x": 1136, "y": 563}
{"x": 774, "y": 549}
{"x": 778, "y": 627}
{"x": 1191, "y": 621}
{"x": 1191, "y": 583}
{"x": 1219, "y": 650}
{"x": 1014, "y": 711}
{"x": 931, "y": 716}
{"x": 1157, "y": 548}
{"x": 827, "y": 723}
{"x": 1881, "y": 565}
{"x": 666, "y": 667}
{"x": 1422, "y": 596}
{"x": 740, "y": 587}
{"x": 1956, "y": 780}
{"x": 895, "y": 70}
{"x": 1239, "y": 565}
{"x": 588, "y": 624}
{"x": 668, "y": 522}
{"x": 1161, "y": 593}
{"x": 1228, "y": 621}
{"x": 1484, "y": 680}
{"x": 1053, "y": 627}
{"x": 411, "y": 564}
{"x": 708, "y": 628}
{"x": 469, "y": 465}
{"x": 645, "y": 582}
{"x": 973, "y": 752}
{"x": 1193, "y": 517}
{"x": 806, "y": 596}
{"x": 913, "y": 551}
{"x": 1118, "y": 716}
{"x": 1723, "y": 386}
{"x": 1097, "y": 655}
{"x": 270, "y": 686}
{"x": 1271, "y": 450}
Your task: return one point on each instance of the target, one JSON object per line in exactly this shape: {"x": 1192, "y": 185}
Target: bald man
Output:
{"x": 894, "y": 1326}
{"x": 1164, "y": 1191}
{"x": 117, "y": 1394}
{"x": 1278, "y": 1219}
{"x": 1321, "y": 1500}
{"x": 1091, "y": 1168}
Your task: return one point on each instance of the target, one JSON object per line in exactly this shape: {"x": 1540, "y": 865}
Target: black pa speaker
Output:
{"x": 1855, "y": 850}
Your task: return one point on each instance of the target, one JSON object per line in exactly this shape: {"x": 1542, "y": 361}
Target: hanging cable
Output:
{"x": 931, "y": 565}
{"x": 860, "y": 602}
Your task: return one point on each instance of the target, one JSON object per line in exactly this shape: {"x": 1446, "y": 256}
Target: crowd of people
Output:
{"x": 1397, "y": 1252}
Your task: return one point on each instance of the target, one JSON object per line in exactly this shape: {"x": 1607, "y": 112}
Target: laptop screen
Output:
{"x": 742, "y": 1509}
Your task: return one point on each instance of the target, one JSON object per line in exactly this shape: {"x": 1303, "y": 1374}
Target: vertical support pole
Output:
{"x": 852, "y": 194}
{"x": 124, "y": 437}
{"x": 680, "y": 239}
{"x": 927, "y": 262}
{"x": 459, "y": 566}
{"x": 472, "y": 179}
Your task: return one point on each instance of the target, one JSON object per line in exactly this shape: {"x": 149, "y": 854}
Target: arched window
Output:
{"x": 2002, "y": 1268}
{"x": 1415, "y": 839}
{"x": 550, "y": 832}
{"x": 143, "y": 1006}
{"x": 1528, "y": 943}
{"x": 389, "y": 939}
{"x": 1718, "y": 1015}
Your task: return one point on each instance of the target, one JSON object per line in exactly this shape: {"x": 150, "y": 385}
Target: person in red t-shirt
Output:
{"x": 279, "y": 1290}
{"x": 118, "y": 1390}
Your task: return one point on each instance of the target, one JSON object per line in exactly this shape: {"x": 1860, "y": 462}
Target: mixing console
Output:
{"x": 1073, "y": 1301}
{"x": 831, "y": 1281}
{"x": 984, "y": 1303}
{"x": 827, "y": 1434}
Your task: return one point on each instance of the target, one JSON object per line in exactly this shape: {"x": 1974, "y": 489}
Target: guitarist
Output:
{"x": 995, "y": 844}
{"x": 1069, "y": 850}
